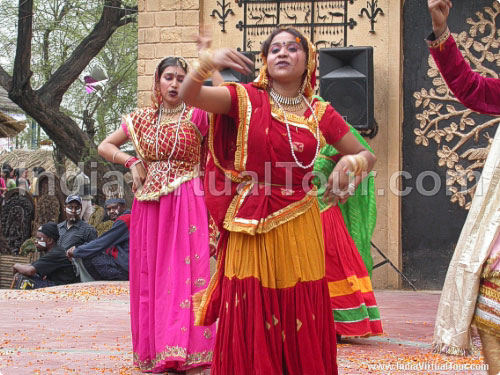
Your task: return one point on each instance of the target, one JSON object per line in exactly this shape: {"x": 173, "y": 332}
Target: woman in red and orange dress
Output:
{"x": 269, "y": 292}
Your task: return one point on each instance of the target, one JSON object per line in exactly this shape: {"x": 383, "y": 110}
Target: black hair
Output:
{"x": 172, "y": 61}
{"x": 267, "y": 43}
{"x": 38, "y": 171}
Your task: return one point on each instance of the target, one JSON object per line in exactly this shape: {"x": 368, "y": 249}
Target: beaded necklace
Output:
{"x": 183, "y": 106}
{"x": 175, "y": 110}
{"x": 286, "y": 100}
{"x": 276, "y": 97}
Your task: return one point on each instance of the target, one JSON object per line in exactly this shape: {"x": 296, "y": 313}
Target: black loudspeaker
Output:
{"x": 231, "y": 75}
{"x": 346, "y": 81}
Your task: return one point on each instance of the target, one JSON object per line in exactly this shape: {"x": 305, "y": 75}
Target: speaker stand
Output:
{"x": 387, "y": 260}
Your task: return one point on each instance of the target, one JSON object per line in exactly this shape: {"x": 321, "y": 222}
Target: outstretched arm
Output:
{"x": 475, "y": 91}
{"x": 212, "y": 99}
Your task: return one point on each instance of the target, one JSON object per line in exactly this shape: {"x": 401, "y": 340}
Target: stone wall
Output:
{"x": 167, "y": 27}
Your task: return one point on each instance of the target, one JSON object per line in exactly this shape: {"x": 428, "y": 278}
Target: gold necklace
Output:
{"x": 287, "y": 101}
{"x": 175, "y": 110}
{"x": 290, "y": 142}
{"x": 289, "y": 108}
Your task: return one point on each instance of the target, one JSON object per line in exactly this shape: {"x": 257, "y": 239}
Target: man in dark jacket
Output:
{"x": 106, "y": 258}
{"x": 52, "y": 269}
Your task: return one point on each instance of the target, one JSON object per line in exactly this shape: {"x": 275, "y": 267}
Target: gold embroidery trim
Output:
{"x": 272, "y": 221}
{"x": 245, "y": 115}
{"x": 176, "y": 353}
{"x": 490, "y": 293}
{"x": 133, "y": 136}
{"x": 439, "y": 41}
{"x": 168, "y": 188}
{"x": 486, "y": 325}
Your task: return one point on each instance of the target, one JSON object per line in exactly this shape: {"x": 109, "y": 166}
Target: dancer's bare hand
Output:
{"x": 230, "y": 58}
{"x": 337, "y": 187}
{"x": 138, "y": 176}
{"x": 439, "y": 10}
{"x": 203, "y": 40}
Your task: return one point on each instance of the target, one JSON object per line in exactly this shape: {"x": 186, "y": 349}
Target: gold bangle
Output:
{"x": 198, "y": 80}
{"x": 362, "y": 163}
{"x": 205, "y": 59}
{"x": 114, "y": 155}
{"x": 439, "y": 42}
{"x": 202, "y": 72}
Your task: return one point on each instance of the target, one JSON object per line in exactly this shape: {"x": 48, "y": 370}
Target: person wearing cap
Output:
{"x": 106, "y": 258}
{"x": 52, "y": 269}
{"x": 82, "y": 187}
{"x": 73, "y": 231}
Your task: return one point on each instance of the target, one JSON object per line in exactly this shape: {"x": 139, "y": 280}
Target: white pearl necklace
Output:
{"x": 290, "y": 142}
{"x": 176, "y": 132}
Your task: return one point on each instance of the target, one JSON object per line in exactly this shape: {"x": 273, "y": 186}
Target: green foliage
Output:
{"x": 28, "y": 247}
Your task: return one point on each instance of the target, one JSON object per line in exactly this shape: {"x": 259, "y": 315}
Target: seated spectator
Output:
{"x": 106, "y": 258}
{"x": 52, "y": 269}
{"x": 73, "y": 231}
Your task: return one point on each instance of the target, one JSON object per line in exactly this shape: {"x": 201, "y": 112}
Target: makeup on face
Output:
{"x": 113, "y": 211}
{"x": 170, "y": 83}
{"x": 73, "y": 211}
{"x": 290, "y": 46}
{"x": 40, "y": 241}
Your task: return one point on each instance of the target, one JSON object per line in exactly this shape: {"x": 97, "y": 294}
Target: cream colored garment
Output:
{"x": 461, "y": 286}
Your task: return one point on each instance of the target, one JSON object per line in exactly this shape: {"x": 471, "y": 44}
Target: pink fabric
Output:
{"x": 495, "y": 254}
{"x": 124, "y": 128}
{"x": 2, "y": 185}
{"x": 481, "y": 94}
{"x": 200, "y": 118}
{"x": 169, "y": 261}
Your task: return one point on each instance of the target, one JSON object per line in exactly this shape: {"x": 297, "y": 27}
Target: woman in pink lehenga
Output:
{"x": 169, "y": 235}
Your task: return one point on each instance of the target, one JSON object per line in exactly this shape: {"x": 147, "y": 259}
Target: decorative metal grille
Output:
{"x": 326, "y": 23}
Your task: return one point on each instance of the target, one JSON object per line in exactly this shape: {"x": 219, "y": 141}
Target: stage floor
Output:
{"x": 84, "y": 329}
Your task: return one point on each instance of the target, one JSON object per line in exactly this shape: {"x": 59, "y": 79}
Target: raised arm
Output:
{"x": 481, "y": 94}
{"x": 212, "y": 99}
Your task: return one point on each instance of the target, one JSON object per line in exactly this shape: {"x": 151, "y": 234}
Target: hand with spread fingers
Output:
{"x": 230, "y": 58}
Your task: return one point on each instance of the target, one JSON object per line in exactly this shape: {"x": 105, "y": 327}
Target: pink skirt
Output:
{"x": 169, "y": 262}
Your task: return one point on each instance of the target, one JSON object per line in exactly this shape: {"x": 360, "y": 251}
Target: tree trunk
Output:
{"x": 44, "y": 104}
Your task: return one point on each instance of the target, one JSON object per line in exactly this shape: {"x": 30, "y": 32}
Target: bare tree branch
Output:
{"x": 54, "y": 89}
{"x": 22, "y": 72}
{"x": 5, "y": 80}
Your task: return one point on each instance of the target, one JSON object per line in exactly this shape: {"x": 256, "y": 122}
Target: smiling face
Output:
{"x": 170, "y": 84}
{"x": 286, "y": 58}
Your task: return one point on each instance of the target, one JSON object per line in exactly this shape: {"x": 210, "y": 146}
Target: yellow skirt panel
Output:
{"x": 292, "y": 252}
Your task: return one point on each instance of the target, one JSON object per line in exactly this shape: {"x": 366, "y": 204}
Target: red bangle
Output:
{"x": 130, "y": 161}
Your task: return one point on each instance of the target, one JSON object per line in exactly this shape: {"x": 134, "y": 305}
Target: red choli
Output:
{"x": 154, "y": 146}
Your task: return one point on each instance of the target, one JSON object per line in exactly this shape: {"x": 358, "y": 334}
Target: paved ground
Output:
{"x": 84, "y": 329}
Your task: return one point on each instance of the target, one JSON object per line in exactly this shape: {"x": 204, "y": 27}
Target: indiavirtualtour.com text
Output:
{"x": 428, "y": 366}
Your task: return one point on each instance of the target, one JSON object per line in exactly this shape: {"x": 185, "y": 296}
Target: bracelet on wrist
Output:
{"x": 439, "y": 41}
{"x": 135, "y": 163}
{"x": 114, "y": 155}
{"x": 130, "y": 161}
